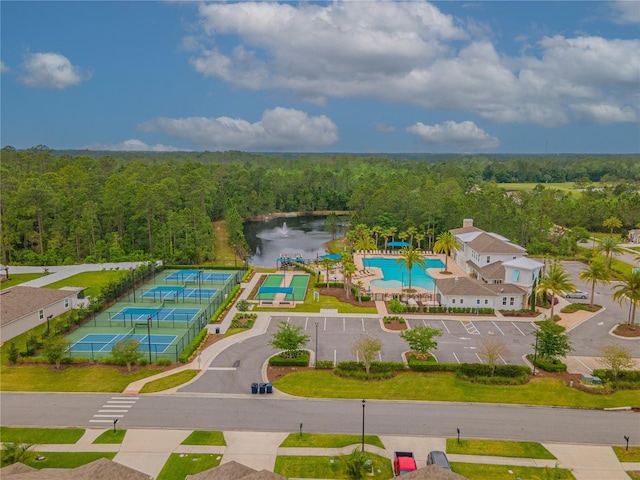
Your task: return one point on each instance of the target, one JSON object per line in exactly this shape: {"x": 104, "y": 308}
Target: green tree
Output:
{"x": 13, "y": 354}
{"x": 290, "y": 339}
{"x": 409, "y": 257}
{"x": 446, "y": 243}
{"x": 611, "y": 223}
{"x": 359, "y": 287}
{"x": 615, "y": 357}
{"x": 411, "y": 231}
{"x": 126, "y": 352}
{"x": 555, "y": 282}
{"x": 54, "y": 348}
{"x": 365, "y": 349}
{"x": 552, "y": 341}
{"x": 331, "y": 224}
{"x": 355, "y": 465}
{"x": 348, "y": 269}
{"x": 421, "y": 339}
{"x": 594, "y": 273}
{"x": 14, "y": 452}
{"x": 609, "y": 246}
{"x": 327, "y": 264}
{"x": 363, "y": 241}
{"x": 629, "y": 289}
{"x": 376, "y": 231}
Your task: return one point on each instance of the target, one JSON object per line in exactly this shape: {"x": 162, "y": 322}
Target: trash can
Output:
{"x": 217, "y": 329}
{"x": 263, "y": 388}
{"x": 254, "y": 388}
{"x": 269, "y": 388}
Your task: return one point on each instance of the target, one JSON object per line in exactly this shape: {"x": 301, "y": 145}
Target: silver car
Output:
{"x": 576, "y": 294}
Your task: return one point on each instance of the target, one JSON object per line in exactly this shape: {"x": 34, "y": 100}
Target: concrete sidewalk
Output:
{"x": 147, "y": 450}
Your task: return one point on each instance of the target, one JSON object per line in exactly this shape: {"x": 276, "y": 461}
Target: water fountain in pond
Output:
{"x": 283, "y": 230}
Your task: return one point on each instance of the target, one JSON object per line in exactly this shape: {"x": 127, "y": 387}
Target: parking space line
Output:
{"x": 503, "y": 360}
{"x": 495, "y": 325}
{"x": 306, "y": 322}
{"x": 523, "y": 334}
{"x": 325, "y": 324}
{"x": 479, "y": 358}
{"x": 344, "y": 324}
{"x": 445, "y": 327}
{"x": 470, "y": 327}
{"x": 335, "y": 357}
{"x": 456, "y": 357}
{"x": 362, "y": 319}
{"x": 380, "y": 355}
{"x": 583, "y": 364}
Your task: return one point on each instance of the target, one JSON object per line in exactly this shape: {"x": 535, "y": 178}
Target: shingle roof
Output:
{"x": 493, "y": 271}
{"x": 485, "y": 243}
{"x": 524, "y": 262}
{"x": 227, "y": 471}
{"x": 458, "y": 231}
{"x": 469, "y": 286}
{"x": 101, "y": 469}
{"x": 18, "y": 301}
{"x": 433, "y": 472}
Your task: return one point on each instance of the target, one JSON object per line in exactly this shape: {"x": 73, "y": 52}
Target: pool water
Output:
{"x": 395, "y": 274}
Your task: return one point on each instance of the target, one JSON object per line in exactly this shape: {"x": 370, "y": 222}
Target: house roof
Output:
{"x": 101, "y": 469}
{"x": 432, "y": 472}
{"x": 460, "y": 231}
{"x": 468, "y": 286}
{"x": 227, "y": 471}
{"x": 485, "y": 243}
{"x": 493, "y": 271}
{"x": 505, "y": 289}
{"x": 18, "y": 301}
{"x": 524, "y": 263}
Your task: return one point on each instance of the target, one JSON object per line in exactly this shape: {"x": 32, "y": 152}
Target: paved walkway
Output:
{"x": 147, "y": 450}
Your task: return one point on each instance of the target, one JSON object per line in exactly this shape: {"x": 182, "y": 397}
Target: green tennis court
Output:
{"x": 299, "y": 284}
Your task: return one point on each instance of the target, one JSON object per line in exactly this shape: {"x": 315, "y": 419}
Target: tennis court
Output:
{"x": 103, "y": 342}
{"x": 195, "y": 275}
{"x": 170, "y": 292}
{"x": 162, "y": 314}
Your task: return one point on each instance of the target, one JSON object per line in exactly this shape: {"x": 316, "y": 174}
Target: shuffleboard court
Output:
{"x": 170, "y": 292}
{"x": 103, "y": 342}
{"x": 195, "y": 275}
{"x": 142, "y": 314}
{"x": 299, "y": 284}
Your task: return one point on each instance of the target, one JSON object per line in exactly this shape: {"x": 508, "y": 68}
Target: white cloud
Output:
{"x": 464, "y": 135}
{"x": 410, "y": 52}
{"x": 131, "y": 145}
{"x": 626, "y": 11}
{"x": 4, "y": 68}
{"x": 50, "y": 70}
{"x": 384, "y": 128}
{"x": 279, "y": 129}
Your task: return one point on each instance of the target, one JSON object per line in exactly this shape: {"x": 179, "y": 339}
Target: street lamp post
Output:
{"x": 316, "y": 345}
{"x": 149, "y": 335}
{"x": 49, "y": 317}
{"x": 363, "y": 405}
{"x": 535, "y": 353}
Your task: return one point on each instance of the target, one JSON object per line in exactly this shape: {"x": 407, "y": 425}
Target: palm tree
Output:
{"x": 629, "y": 289}
{"x": 555, "y": 282}
{"x": 386, "y": 234}
{"x": 446, "y": 243}
{"x": 411, "y": 231}
{"x": 360, "y": 286}
{"x": 14, "y": 452}
{"x": 611, "y": 223}
{"x": 402, "y": 236}
{"x": 595, "y": 273}
{"x": 419, "y": 239}
{"x": 393, "y": 231}
{"x": 327, "y": 263}
{"x": 609, "y": 246}
{"x": 348, "y": 270}
{"x": 408, "y": 258}
{"x": 363, "y": 241}
{"x": 376, "y": 230}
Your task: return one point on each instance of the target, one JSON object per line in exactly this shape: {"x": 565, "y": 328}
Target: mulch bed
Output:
{"x": 395, "y": 325}
{"x": 626, "y": 330}
{"x": 340, "y": 294}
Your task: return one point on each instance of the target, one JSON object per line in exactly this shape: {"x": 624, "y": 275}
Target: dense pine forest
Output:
{"x": 77, "y": 206}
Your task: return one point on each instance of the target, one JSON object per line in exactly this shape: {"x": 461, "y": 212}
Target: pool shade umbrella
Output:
{"x": 398, "y": 244}
{"x": 332, "y": 256}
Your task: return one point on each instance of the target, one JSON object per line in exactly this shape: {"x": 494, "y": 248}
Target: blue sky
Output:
{"x": 354, "y": 76}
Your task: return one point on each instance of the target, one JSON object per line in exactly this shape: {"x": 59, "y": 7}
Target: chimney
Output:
{"x": 467, "y": 222}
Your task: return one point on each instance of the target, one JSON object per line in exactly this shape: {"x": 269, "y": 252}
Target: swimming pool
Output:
{"x": 395, "y": 274}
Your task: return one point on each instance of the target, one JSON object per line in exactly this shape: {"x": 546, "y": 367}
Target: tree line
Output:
{"x": 66, "y": 208}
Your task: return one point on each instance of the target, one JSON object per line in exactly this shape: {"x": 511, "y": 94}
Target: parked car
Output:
{"x": 576, "y": 294}
{"x": 436, "y": 457}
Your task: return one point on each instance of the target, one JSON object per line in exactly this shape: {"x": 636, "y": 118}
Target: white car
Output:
{"x": 576, "y": 294}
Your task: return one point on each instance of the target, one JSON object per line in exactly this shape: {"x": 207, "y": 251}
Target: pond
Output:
{"x": 304, "y": 235}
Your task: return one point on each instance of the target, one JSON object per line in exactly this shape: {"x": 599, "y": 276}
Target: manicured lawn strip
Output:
{"x": 480, "y": 471}
{"x": 68, "y": 459}
{"x": 169, "y": 381}
{"x": 94, "y": 281}
{"x": 325, "y": 440}
{"x": 42, "y": 379}
{"x": 180, "y": 465}
{"x": 110, "y": 437}
{"x": 297, "y": 466}
{"x": 311, "y": 306}
{"x": 631, "y": 455}
{"x": 203, "y": 437}
{"x": 18, "y": 278}
{"x": 634, "y": 475}
{"x": 499, "y": 448}
{"x": 41, "y": 435}
{"x": 446, "y": 387}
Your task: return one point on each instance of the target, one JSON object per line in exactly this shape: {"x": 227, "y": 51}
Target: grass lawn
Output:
{"x": 634, "y": 475}
{"x": 322, "y": 440}
{"x": 94, "y": 281}
{"x": 109, "y": 436}
{"x": 479, "y": 471}
{"x": 499, "y": 448}
{"x": 631, "y": 455}
{"x": 446, "y": 387}
{"x": 203, "y": 437}
{"x": 18, "y": 278}
{"x": 180, "y": 465}
{"x": 41, "y": 435}
{"x": 295, "y": 466}
{"x": 68, "y": 459}
{"x": 169, "y": 381}
{"x": 40, "y": 378}
{"x": 311, "y": 306}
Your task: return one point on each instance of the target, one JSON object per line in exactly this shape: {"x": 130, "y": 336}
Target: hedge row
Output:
{"x": 225, "y": 303}
{"x": 552, "y": 365}
{"x": 376, "y": 367}
{"x": 471, "y": 370}
{"x": 302, "y": 360}
{"x": 623, "y": 375}
{"x": 324, "y": 364}
{"x": 193, "y": 346}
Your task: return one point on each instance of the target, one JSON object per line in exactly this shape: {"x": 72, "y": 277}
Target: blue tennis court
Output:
{"x": 142, "y": 314}
{"x": 103, "y": 342}
{"x": 195, "y": 275}
{"x": 170, "y": 292}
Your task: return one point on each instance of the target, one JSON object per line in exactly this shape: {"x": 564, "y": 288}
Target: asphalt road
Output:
{"x": 267, "y": 413}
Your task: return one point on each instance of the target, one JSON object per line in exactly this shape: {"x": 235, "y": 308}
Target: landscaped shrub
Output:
{"x": 627, "y": 379}
{"x": 250, "y": 320}
{"x": 396, "y": 306}
{"x": 143, "y": 362}
{"x": 495, "y": 380}
{"x": 549, "y": 365}
{"x": 574, "y": 307}
{"x": 185, "y": 356}
{"x": 389, "y": 319}
{"x": 377, "y": 367}
{"x": 225, "y": 303}
{"x": 302, "y": 360}
{"x": 424, "y": 366}
{"x": 350, "y": 365}
{"x": 378, "y": 370}
{"x": 324, "y": 364}
{"x": 363, "y": 375}
{"x": 163, "y": 362}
